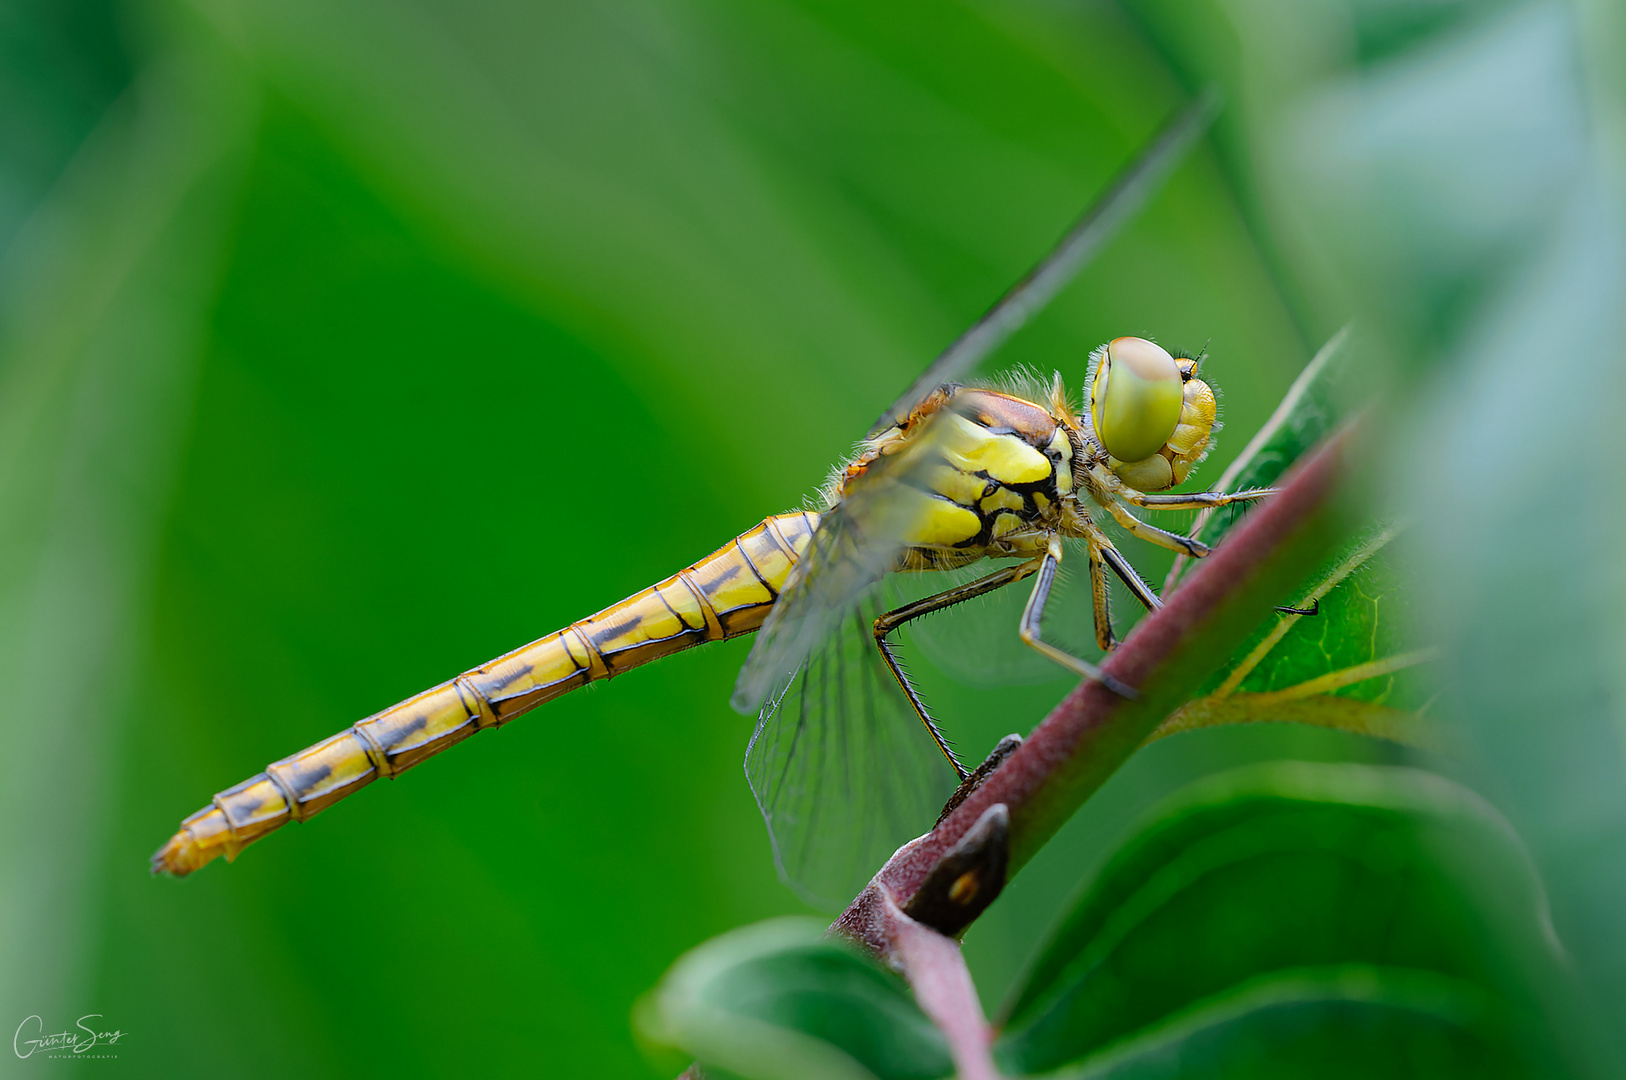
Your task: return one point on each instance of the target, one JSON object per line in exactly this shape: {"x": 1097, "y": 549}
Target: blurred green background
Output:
{"x": 346, "y": 346}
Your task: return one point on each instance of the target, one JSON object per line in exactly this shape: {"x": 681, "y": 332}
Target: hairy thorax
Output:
{"x": 989, "y": 475}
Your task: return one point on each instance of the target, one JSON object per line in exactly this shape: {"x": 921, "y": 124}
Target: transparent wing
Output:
{"x": 841, "y": 767}
{"x": 856, "y": 544}
{"x": 1087, "y": 236}
{"x": 977, "y": 643}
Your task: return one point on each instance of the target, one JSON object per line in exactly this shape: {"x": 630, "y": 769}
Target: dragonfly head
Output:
{"x": 1150, "y": 412}
{"x": 1135, "y": 397}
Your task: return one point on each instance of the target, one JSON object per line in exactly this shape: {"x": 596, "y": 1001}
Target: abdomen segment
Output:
{"x": 726, "y": 594}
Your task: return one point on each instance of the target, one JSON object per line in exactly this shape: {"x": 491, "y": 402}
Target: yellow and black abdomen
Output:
{"x": 726, "y": 594}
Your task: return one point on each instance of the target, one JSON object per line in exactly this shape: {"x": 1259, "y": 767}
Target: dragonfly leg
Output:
{"x": 946, "y": 599}
{"x": 1193, "y": 500}
{"x": 1109, "y": 489}
{"x": 1133, "y": 525}
{"x": 1128, "y": 575}
{"x": 1002, "y": 751}
{"x": 1103, "y": 555}
{"x": 1100, "y": 597}
{"x": 1033, "y": 615}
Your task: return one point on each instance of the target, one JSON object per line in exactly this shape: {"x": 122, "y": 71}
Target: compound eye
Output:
{"x": 1135, "y": 399}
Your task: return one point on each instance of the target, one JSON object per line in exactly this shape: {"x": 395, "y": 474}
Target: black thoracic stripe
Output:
{"x": 1029, "y": 513}
{"x": 1030, "y": 509}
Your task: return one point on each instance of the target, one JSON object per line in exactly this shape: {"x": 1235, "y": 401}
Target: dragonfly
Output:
{"x": 951, "y": 476}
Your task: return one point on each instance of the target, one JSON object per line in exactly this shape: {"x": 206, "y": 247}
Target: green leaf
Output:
{"x": 1320, "y": 710}
{"x": 1282, "y": 868}
{"x": 1310, "y": 410}
{"x": 1362, "y": 618}
{"x": 1359, "y": 643}
{"x": 1457, "y": 172}
{"x": 1353, "y": 1021}
{"x": 782, "y": 999}
{"x": 1362, "y": 629}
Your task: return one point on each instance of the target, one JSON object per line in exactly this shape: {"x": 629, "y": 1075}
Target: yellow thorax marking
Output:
{"x": 1006, "y": 524}
{"x": 1006, "y": 458}
{"x": 1062, "y": 446}
{"x": 933, "y": 521}
{"x": 951, "y": 483}
{"x": 1003, "y": 498}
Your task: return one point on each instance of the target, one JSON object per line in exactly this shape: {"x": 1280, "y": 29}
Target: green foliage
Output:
{"x": 1360, "y": 644}
{"x": 1365, "y": 617}
{"x": 1264, "y": 922}
{"x": 1313, "y": 407}
{"x": 1279, "y": 888}
{"x": 783, "y": 1000}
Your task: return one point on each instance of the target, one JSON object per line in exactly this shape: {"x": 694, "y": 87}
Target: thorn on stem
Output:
{"x": 966, "y": 879}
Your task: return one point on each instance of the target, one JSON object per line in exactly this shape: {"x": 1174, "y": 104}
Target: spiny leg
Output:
{"x": 1101, "y": 598}
{"x": 1126, "y": 573}
{"x": 1133, "y": 525}
{"x": 1193, "y": 500}
{"x": 946, "y": 599}
{"x": 1103, "y": 555}
{"x": 1033, "y": 615}
{"x": 1129, "y": 576}
{"x": 1185, "y": 545}
{"x": 1109, "y": 489}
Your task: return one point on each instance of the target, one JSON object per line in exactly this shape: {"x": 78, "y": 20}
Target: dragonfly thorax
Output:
{"x": 989, "y": 474}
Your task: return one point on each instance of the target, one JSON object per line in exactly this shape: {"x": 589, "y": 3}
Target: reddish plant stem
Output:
{"x": 1093, "y": 731}
{"x": 942, "y": 984}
